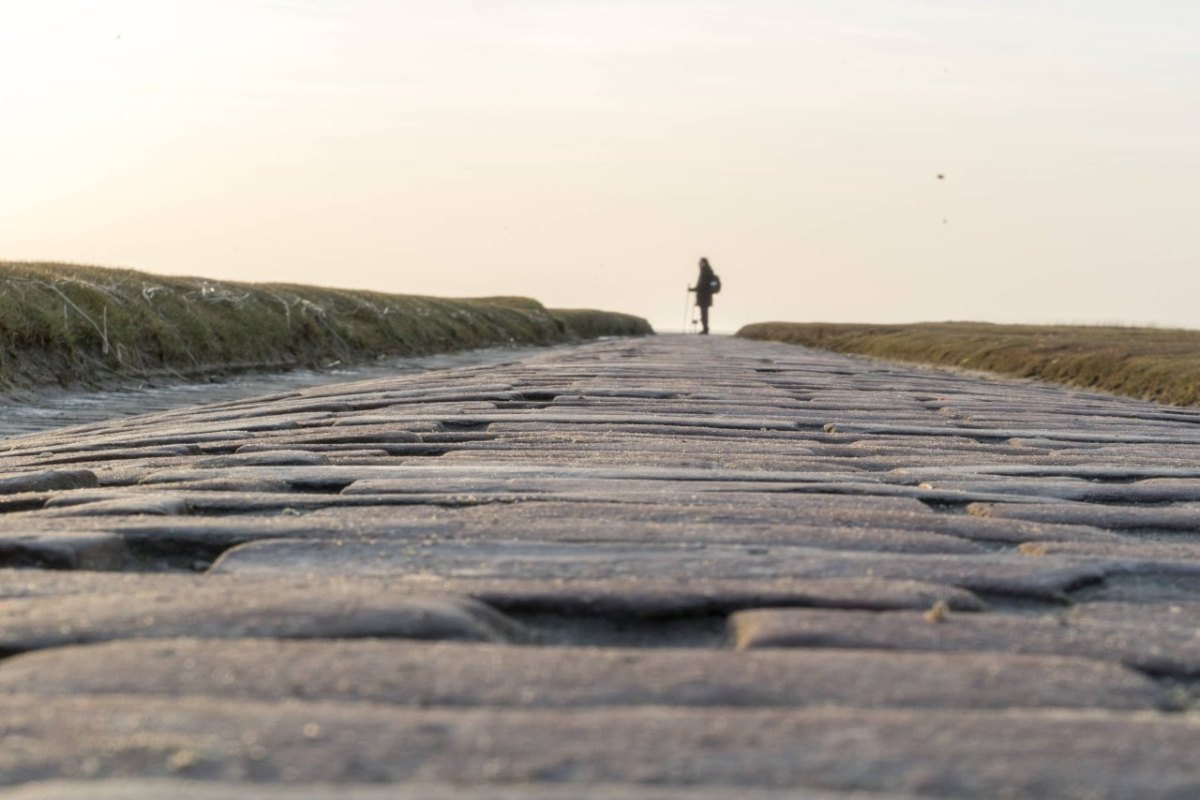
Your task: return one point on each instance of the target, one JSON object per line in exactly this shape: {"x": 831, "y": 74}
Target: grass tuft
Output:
{"x": 582, "y": 323}
{"x": 68, "y": 324}
{"x": 1149, "y": 363}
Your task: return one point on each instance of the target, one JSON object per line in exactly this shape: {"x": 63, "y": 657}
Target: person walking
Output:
{"x": 706, "y": 286}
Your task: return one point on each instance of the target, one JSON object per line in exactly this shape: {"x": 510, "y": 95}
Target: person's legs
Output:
{"x": 704, "y": 319}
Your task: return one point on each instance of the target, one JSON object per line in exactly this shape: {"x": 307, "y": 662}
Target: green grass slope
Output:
{"x": 68, "y": 324}
{"x": 1149, "y": 363}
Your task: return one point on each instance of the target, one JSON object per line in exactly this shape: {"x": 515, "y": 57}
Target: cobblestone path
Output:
{"x": 677, "y": 567}
{"x": 41, "y": 409}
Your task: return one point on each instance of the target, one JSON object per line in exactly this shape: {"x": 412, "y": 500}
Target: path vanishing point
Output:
{"x": 673, "y": 567}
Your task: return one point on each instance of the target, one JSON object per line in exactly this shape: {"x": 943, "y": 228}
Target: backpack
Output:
{"x": 715, "y": 284}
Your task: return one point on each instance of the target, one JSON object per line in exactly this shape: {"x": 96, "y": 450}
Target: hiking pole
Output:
{"x": 687, "y": 308}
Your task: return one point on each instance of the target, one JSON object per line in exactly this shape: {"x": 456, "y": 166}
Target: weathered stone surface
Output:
{"x": 207, "y": 790}
{"x": 241, "y": 394}
{"x": 233, "y": 485}
{"x": 994, "y": 433}
{"x": 264, "y": 458}
{"x": 106, "y": 503}
{"x": 125, "y": 505}
{"x": 731, "y": 520}
{"x": 1088, "y": 471}
{"x": 403, "y": 477}
{"x": 640, "y": 523}
{"x": 1160, "y": 650}
{"x": 1188, "y": 550}
{"x": 1180, "y": 517}
{"x": 1048, "y": 578}
{"x": 1181, "y": 618}
{"x": 1149, "y": 491}
{"x": 978, "y": 575}
{"x": 52, "y": 480}
{"x": 458, "y": 675}
{"x": 101, "y": 456}
{"x": 942, "y": 753}
{"x": 658, "y": 597}
{"x": 247, "y": 611}
{"x": 43, "y": 583}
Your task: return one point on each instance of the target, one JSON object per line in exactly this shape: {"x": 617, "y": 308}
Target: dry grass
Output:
{"x": 69, "y": 324}
{"x": 1149, "y": 363}
{"x": 583, "y": 323}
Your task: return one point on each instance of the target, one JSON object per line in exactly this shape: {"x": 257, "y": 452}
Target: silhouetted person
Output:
{"x": 706, "y": 286}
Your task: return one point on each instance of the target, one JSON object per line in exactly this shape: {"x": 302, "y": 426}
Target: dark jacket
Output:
{"x": 704, "y": 293}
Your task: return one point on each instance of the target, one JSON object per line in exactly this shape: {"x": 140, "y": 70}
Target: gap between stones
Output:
{"x": 956, "y": 507}
{"x": 697, "y": 631}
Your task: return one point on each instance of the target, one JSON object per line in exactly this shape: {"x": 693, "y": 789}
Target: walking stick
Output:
{"x": 687, "y": 308}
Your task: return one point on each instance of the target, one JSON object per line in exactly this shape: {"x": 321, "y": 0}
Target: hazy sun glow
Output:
{"x": 588, "y": 152}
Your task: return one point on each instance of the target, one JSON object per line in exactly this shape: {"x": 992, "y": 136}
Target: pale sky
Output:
{"x": 588, "y": 152}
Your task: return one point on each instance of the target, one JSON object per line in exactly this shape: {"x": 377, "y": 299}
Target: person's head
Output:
{"x": 704, "y": 264}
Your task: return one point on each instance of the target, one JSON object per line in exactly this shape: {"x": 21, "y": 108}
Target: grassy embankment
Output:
{"x": 1149, "y": 363}
{"x": 67, "y": 324}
